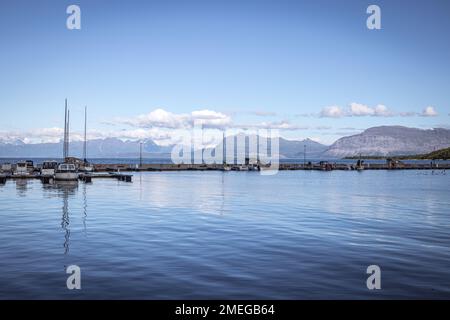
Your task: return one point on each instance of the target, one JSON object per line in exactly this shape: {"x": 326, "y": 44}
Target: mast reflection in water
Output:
{"x": 66, "y": 189}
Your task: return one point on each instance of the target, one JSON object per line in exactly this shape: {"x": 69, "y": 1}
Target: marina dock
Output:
{"x": 322, "y": 166}
{"x": 82, "y": 177}
{"x": 122, "y": 172}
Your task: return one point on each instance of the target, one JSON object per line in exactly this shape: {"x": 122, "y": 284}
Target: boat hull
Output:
{"x": 47, "y": 172}
{"x": 21, "y": 173}
{"x": 66, "y": 176}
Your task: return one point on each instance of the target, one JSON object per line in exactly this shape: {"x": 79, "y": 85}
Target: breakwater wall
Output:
{"x": 282, "y": 166}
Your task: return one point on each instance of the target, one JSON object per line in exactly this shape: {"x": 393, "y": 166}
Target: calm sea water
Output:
{"x": 295, "y": 235}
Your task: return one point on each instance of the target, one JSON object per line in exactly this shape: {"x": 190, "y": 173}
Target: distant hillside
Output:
{"x": 296, "y": 149}
{"x": 291, "y": 149}
{"x": 390, "y": 141}
{"x": 443, "y": 154}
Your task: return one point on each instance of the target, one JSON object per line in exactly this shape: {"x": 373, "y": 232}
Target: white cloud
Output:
{"x": 332, "y": 112}
{"x": 161, "y": 118}
{"x": 382, "y": 111}
{"x": 429, "y": 112}
{"x": 281, "y": 125}
{"x": 157, "y": 118}
{"x": 210, "y": 118}
{"x": 32, "y": 136}
{"x": 358, "y": 109}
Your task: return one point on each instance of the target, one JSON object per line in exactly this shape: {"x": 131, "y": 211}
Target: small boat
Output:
{"x": 48, "y": 168}
{"x": 325, "y": 166}
{"x": 253, "y": 167}
{"x": 21, "y": 169}
{"x": 30, "y": 165}
{"x": 66, "y": 172}
{"x": 240, "y": 167}
{"x": 86, "y": 167}
{"x": 6, "y": 167}
{"x": 360, "y": 165}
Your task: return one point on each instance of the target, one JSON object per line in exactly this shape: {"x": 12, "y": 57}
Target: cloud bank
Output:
{"x": 362, "y": 110}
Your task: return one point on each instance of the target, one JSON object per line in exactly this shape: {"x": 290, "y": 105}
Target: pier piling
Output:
{"x": 86, "y": 178}
{"x": 46, "y": 179}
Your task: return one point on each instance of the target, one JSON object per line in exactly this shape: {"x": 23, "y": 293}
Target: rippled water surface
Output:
{"x": 229, "y": 235}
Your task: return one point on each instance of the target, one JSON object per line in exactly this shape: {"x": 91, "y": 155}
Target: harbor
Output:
{"x": 76, "y": 169}
{"x": 47, "y": 171}
{"x": 251, "y": 164}
{"x": 70, "y": 169}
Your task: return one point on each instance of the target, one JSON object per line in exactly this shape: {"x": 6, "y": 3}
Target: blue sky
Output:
{"x": 281, "y": 64}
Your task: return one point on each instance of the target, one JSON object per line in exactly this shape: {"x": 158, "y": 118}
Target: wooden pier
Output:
{"x": 118, "y": 176}
{"x": 48, "y": 179}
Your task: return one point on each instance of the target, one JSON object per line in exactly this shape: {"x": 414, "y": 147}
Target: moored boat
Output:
{"x": 360, "y": 165}
{"x": 48, "y": 168}
{"x": 6, "y": 167}
{"x": 66, "y": 172}
{"x": 86, "y": 167}
{"x": 21, "y": 169}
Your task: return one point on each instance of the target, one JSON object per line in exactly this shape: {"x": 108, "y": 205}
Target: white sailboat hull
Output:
{"x": 66, "y": 176}
{"x": 47, "y": 172}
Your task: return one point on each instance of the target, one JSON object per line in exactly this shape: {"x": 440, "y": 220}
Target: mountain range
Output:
{"x": 98, "y": 148}
{"x": 390, "y": 141}
{"x": 376, "y": 141}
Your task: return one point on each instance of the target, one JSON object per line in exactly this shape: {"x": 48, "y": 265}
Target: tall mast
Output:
{"x": 257, "y": 147}
{"x": 140, "y": 154}
{"x": 304, "y": 154}
{"x": 68, "y": 132}
{"x": 65, "y": 133}
{"x": 224, "y": 154}
{"x": 85, "y": 135}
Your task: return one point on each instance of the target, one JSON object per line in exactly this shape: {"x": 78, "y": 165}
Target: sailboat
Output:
{"x": 360, "y": 164}
{"x": 86, "y": 166}
{"x": 66, "y": 171}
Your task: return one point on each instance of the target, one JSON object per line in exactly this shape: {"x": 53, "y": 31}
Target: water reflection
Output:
{"x": 84, "y": 209}
{"x": 207, "y": 190}
{"x": 21, "y": 187}
{"x": 65, "y": 189}
{"x": 222, "y": 195}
